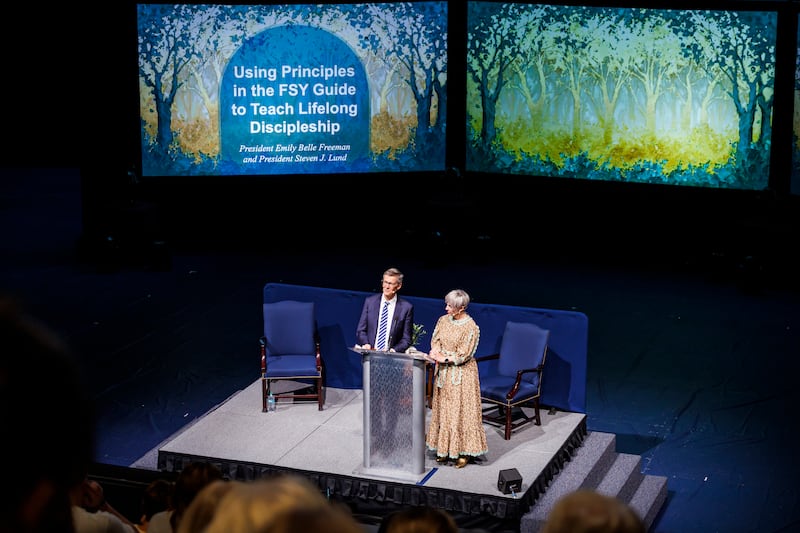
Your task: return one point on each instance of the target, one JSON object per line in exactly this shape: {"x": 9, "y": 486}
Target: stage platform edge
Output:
{"x": 326, "y": 447}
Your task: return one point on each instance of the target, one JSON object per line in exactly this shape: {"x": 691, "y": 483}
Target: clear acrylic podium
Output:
{"x": 394, "y": 414}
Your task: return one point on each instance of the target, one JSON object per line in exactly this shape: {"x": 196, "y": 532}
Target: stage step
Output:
{"x": 597, "y": 465}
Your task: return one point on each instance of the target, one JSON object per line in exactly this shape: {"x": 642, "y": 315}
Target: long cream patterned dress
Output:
{"x": 456, "y": 423}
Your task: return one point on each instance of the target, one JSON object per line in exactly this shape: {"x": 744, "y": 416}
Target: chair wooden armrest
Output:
{"x": 487, "y": 357}
{"x": 262, "y": 343}
{"x": 515, "y": 387}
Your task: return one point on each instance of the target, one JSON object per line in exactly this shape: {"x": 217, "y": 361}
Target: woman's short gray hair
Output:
{"x": 457, "y": 298}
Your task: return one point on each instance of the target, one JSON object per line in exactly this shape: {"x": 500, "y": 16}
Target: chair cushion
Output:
{"x": 495, "y": 388}
{"x": 291, "y": 365}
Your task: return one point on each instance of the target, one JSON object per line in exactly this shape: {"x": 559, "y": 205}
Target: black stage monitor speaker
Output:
{"x": 509, "y": 481}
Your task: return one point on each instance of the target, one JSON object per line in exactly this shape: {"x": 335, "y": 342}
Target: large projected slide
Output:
{"x": 673, "y": 97}
{"x": 292, "y": 89}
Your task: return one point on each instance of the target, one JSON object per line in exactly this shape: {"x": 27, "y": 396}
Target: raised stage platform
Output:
{"x": 327, "y": 447}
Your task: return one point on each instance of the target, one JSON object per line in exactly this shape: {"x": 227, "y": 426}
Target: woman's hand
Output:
{"x": 437, "y": 356}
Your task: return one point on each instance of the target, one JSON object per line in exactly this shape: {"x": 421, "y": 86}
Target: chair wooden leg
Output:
{"x": 264, "y": 395}
{"x": 536, "y": 411}
{"x": 508, "y": 422}
{"x": 319, "y": 393}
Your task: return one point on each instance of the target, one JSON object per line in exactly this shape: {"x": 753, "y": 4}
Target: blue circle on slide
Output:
{"x": 294, "y": 100}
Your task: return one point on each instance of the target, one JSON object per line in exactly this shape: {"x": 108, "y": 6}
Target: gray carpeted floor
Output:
{"x": 299, "y": 436}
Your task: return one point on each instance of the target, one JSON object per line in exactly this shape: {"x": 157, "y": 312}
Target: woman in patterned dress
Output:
{"x": 456, "y": 429}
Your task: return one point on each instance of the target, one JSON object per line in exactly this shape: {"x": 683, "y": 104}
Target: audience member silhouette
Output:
{"x": 204, "y": 505}
{"x": 47, "y": 415}
{"x": 588, "y": 511}
{"x": 421, "y": 519}
{"x": 190, "y": 481}
{"x": 155, "y": 498}
{"x": 278, "y": 504}
{"x": 91, "y": 513}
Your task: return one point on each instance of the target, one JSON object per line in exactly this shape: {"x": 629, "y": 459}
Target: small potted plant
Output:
{"x": 417, "y": 332}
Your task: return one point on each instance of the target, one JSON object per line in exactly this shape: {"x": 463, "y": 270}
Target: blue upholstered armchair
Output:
{"x": 290, "y": 352}
{"x": 514, "y": 380}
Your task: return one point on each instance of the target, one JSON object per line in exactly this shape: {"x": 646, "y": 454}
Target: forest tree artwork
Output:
{"x": 675, "y": 97}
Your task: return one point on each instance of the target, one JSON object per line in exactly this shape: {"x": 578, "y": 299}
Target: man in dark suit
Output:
{"x": 385, "y": 441}
{"x": 400, "y": 319}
